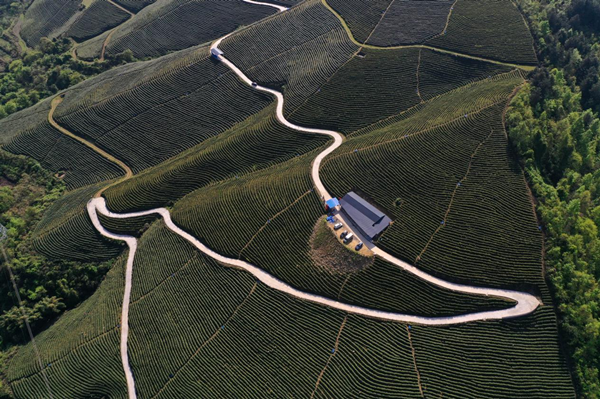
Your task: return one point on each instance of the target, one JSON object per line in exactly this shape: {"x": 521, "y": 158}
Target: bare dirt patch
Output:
{"x": 332, "y": 255}
{"x": 5, "y": 182}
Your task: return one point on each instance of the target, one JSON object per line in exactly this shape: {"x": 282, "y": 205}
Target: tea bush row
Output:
{"x": 295, "y": 52}
{"x": 175, "y": 25}
{"x": 254, "y": 144}
{"x": 492, "y": 29}
{"x": 45, "y": 17}
{"x": 80, "y": 352}
{"x": 99, "y": 17}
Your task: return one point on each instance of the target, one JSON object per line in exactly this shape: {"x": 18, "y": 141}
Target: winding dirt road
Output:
{"x": 525, "y": 303}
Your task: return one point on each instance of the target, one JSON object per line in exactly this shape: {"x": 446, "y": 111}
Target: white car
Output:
{"x": 338, "y": 226}
{"x": 348, "y": 238}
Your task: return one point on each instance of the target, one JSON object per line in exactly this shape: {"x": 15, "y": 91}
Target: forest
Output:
{"x": 42, "y": 72}
{"x": 553, "y": 123}
{"x": 28, "y": 75}
{"x": 47, "y": 286}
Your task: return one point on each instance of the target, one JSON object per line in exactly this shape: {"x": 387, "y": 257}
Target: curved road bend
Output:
{"x": 526, "y": 303}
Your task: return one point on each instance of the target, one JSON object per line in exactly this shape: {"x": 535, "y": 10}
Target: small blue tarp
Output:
{"x": 332, "y": 203}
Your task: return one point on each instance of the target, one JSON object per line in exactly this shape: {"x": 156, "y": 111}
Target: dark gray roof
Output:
{"x": 364, "y": 215}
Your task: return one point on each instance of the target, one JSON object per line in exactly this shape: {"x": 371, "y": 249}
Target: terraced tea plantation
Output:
{"x": 67, "y": 217}
{"x": 472, "y": 29}
{"x": 217, "y": 196}
{"x": 98, "y": 18}
{"x": 45, "y": 17}
{"x": 493, "y": 29}
{"x": 254, "y": 144}
{"x": 215, "y": 318}
{"x": 296, "y": 52}
{"x": 178, "y": 24}
{"x": 391, "y": 82}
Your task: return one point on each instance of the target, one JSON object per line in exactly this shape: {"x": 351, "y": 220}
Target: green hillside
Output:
{"x": 414, "y": 95}
{"x": 175, "y": 25}
{"x": 483, "y": 19}
{"x": 233, "y": 337}
{"x": 492, "y": 29}
{"x": 99, "y": 17}
{"x": 45, "y": 18}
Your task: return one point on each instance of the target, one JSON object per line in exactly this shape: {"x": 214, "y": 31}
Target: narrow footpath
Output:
{"x": 126, "y": 169}
{"x": 422, "y": 46}
{"x": 108, "y": 37}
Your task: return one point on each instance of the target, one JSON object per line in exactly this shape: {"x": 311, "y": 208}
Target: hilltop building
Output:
{"x": 368, "y": 219}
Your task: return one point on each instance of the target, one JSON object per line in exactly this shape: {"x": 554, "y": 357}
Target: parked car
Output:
{"x": 348, "y": 238}
{"x": 254, "y": 84}
{"x": 358, "y": 246}
{"x": 338, "y": 226}
{"x": 344, "y": 234}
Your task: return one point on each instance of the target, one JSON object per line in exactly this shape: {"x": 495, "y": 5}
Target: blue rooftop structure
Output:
{"x": 332, "y": 203}
{"x": 370, "y": 220}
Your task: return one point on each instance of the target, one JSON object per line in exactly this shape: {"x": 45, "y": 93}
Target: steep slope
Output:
{"x": 243, "y": 339}
{"x": 47, "y": 18}
{"x": 240, "y": 182}
{"x": 296, "y": 51}
{"x": 493, "y": 29}
{"x": 99, "y": 17}
{"x": 455, "y": 177}
{"x": 254, "y": 144}
{"x": 166, "y": 26}
{"x": 174, "y": 103}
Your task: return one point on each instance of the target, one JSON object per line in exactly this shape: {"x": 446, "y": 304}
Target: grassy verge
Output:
{"x": 332, "y": 255}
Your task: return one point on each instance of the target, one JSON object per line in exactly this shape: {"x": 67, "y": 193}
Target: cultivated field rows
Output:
{"x": 198, "y": 328}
